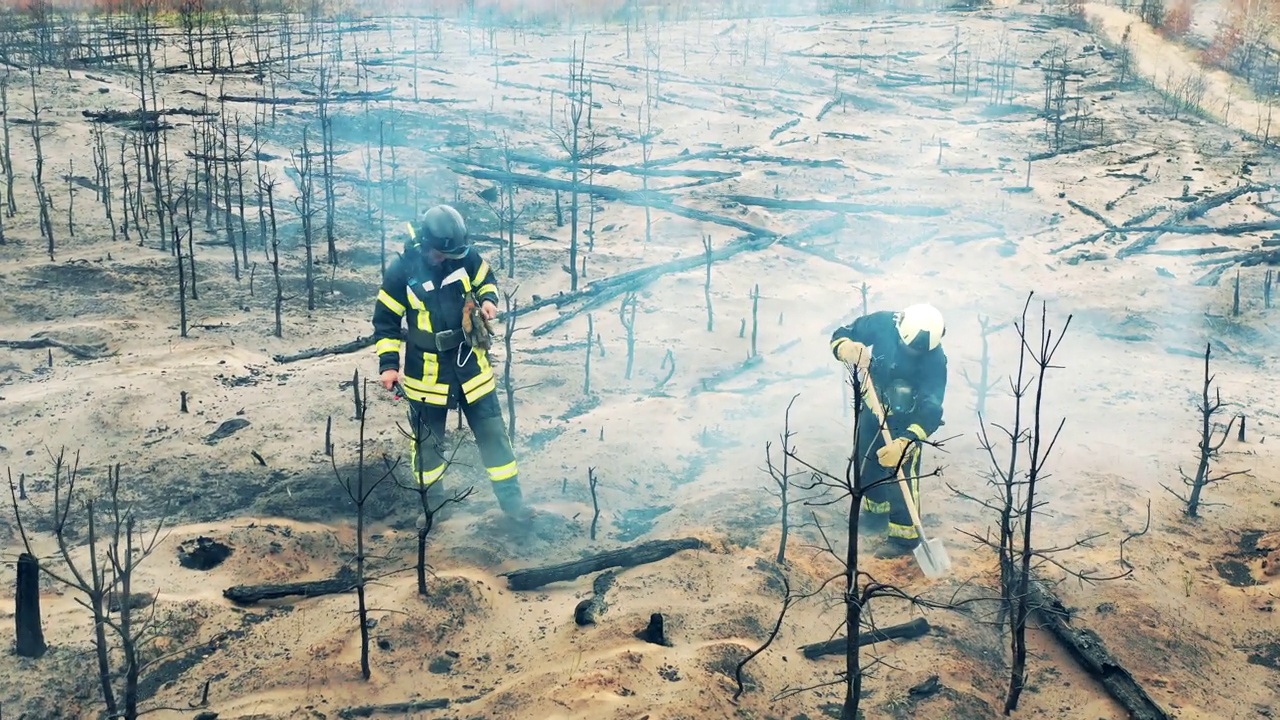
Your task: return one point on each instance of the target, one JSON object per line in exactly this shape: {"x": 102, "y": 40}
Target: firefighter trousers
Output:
{"x": 882, "y": 501}
{"x": 484, "y": 416}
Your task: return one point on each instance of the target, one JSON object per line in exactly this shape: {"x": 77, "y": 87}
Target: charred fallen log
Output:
{"x": 84, "y": 352}
{"x": 838, "y": 206}
{"x": 344, "y": 581}
{"x": 917, "y": 627}
{"x": 1188, "y": 212}
{"x": 641, "y": 554}
{"x": 1088, "y": 650}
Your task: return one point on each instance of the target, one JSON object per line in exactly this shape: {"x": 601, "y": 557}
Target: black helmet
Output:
{"x": 442, "y": 229}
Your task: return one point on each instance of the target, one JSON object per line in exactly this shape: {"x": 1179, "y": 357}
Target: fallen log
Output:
{"x": 604, "y": 290}
{"x": 84, "y": 352}
{"x": 1141, "y": 217}
{"x": 544, "y": 164}
{"x": 356, "y": 345}
{"x": 1070, "y": 150}
{"x": 395, "y": 708}
{"x": 1187, "y": 212}
{"x": 640, "y": 198}
{"x": 917, "y": 627}
{"x": 344, "y": 581}
{"x": 1091, "y": 213}
{"x": 1231, "y": 229}
{"x": 838, "y": 206}
{"x": 641, "y": 554}
{"x": 589, "y": 609}
{"x": 1088, "y": 650}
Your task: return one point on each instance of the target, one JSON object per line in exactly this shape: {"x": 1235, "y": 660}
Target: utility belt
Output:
{"x": 437, "y": 342}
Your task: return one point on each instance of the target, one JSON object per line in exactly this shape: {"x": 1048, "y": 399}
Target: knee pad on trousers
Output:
{"x": 487, "y": 407}
{"x": 490, "y": 429}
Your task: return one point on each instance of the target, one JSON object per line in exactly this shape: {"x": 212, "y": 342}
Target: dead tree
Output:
{"x": 1207, "y": 448}
{"x": 185, "y": 198}
{"x": 419, "y": 433}
{"x": 509, "y": 319}
{"x": 755, "y": 318}
{"x": 782, "y": 478}
{"x": 10, "y": 205}
{"x": 30, "y": 631}
{"x": 327, "y": 156}
{"x": 627, "y": 314}
{"x": 982, "y": 386}
{"x": 228, "y": 219}
{"x": 576, "y": 142}
{"x": 42, "y": 196}
{"x": 103, "y": 577}
{"x": 593, "y": 486}
{"x": 509, "y": 189}
{"x": 1016, "y": 501}
{"x": 586, "y": 367}
{"x": 706, "y": 286}
{"x": 358, "y": 490}
{"x": 267, "y": 186}
{"x": 305, "y": 203}
{"x": 239, "y": 158}
{"x": 845, "y": 491}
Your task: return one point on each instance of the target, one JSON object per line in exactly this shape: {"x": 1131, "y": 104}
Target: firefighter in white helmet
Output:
{"x": 903, "y": 353}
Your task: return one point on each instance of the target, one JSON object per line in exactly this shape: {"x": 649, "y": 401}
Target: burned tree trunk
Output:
{"x": 30, "y": 642}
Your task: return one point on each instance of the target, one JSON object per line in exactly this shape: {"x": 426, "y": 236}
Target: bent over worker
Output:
{"x": 902, "y": 352}
{"x": 428, "y": 287}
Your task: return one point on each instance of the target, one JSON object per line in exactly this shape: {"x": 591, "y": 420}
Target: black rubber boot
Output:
{"x": 511, "y": 500}
{"x": 897, "y": 547}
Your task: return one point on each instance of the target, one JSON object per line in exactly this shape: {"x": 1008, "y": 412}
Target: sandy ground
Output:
{"x": 685, "y": 457}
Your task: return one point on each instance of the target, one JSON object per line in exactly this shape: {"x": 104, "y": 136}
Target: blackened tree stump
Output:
{"x": 30, "y": 640}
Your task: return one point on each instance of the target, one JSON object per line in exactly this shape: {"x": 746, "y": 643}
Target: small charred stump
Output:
{"x": 656, "y": 632}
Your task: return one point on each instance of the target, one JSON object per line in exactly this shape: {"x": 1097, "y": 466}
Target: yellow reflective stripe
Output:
{"x": 420, "y": 310}
{"x": 905, "y": 532}
{"x": 430, "y": 398}
{"x": 875, "y": 507}
{"x": 426, "y": 389}
{"x": 503, "y": 472}
{"x": 387, "y": 345}
{"x": 392, "y": 304}
{"x": 412, "y": 234}
{"x": 485, "y": 376}
{"x": 486, "y": 289}
{"x": 918, "y": 431}
{"x": 481, "y": 273}
{"x": 428, "y": 477}
{"x": 485, "y": 389}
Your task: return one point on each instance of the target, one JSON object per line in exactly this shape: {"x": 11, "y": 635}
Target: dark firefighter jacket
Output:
{"x": 911, "y": 388}
{"x": 430, "y": 300}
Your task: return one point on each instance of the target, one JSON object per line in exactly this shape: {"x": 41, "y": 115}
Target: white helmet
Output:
{"x": 921, "y": 327}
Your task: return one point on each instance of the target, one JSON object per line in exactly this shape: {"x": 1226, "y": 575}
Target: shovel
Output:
{"x": 931, "y": 555}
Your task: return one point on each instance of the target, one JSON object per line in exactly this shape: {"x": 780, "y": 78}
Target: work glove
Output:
{"x": 890, "y": 456}
{"x": 854, "y": 354}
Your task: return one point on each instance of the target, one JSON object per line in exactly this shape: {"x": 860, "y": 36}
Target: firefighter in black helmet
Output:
{"x": 428, "y": 287}
{"x": 902, "y": 351}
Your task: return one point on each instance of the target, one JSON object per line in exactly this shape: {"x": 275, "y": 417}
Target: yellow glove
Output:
{"x": 890, "y": 456}
{"x": 854, "y": 353}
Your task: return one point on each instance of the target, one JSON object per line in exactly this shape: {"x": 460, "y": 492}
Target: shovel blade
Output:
{"x": 932, "y": 558}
